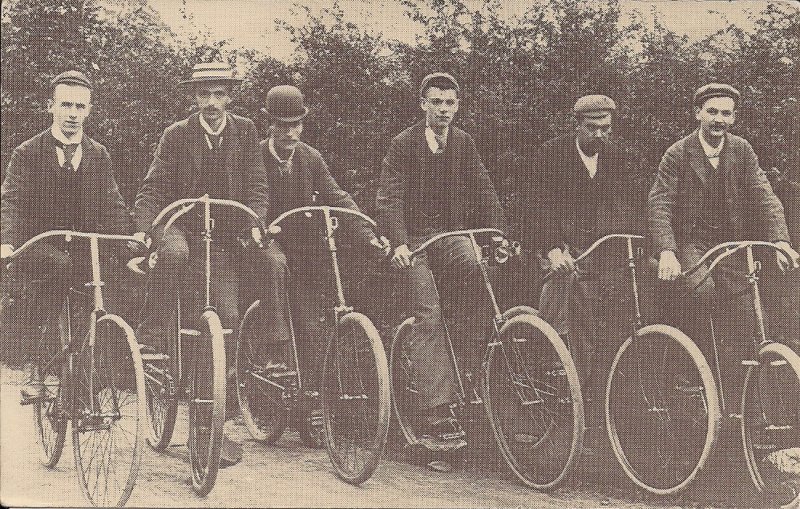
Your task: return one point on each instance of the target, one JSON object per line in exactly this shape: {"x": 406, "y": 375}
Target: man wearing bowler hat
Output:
{"x": 215, "y": 152}
{"x": 432, "y": 180}
{"x": 298, "y": 176}
{"x": 710, "y": 189}
{"x": 578, "y": 189}
{"x": 59, "y": 180}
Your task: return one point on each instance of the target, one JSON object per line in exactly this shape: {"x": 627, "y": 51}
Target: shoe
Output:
{"x": 32, "y": 387}
{"x": 442, "y": 432}
{"x": 231, "y": 452}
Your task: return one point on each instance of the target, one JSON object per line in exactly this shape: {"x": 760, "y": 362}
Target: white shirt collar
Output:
{"x": 57, "y": 134}
{"x": 589, "y": 161}
{"x": 77, "y": 156}
{"x": 430, "y": 137}
{"x": 208, "y": 127}
{"x": 708, "y": 149}
{"x": 287, "y": 161}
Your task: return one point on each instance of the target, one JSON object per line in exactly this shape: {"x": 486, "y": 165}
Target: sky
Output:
{"x": 251, "y": 23}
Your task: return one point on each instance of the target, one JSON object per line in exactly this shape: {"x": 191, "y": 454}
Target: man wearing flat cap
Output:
{"x": 580, "y": 187}
{"x": 432, "y": 180}
{"x": 710, "y": 189}
{"x": 214, "y": 152}
{"x": 59, "y": 180}
{"x": 298, "y": 176}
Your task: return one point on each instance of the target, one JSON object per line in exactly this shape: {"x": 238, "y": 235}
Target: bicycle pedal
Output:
{"x": 155, "y": 357}
{"x": 227, "y": 331}
{"x": 316, "y": 420}
{"x": 190, "y": 332}
{"x": 33, "y": 400}
{"x": 282, "y": 374}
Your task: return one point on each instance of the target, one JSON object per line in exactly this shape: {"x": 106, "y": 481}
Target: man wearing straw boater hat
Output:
{"x": 215, "y": 152}
{"x": 298, "y": 176}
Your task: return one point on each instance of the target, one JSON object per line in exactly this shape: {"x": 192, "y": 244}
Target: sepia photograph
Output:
{"x": 400, "y": 253}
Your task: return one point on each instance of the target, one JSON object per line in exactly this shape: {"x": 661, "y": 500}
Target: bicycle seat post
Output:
{"x": 208, "y": 226}
{"x": 96, "y": 283}
{"x": 498, "y": 315}
{"x": 637, "y": 316}
{"x": 752, "y": 277}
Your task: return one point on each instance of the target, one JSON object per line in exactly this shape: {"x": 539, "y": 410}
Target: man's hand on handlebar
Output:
{"x": 561, "y": 261}
{"x": 6, "y": 250}
{"x": 141, "y": 237}
{"x": 669, "y": 268}
{"x": 382, "y": 244}
{"x": 784, "y": 263}
{"x": 402, "y": 257}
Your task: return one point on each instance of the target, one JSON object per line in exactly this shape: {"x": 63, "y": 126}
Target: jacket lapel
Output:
{"x": 195, "y": 145}
{"x": 231, "y": 150}
{"x": 697, "y": 157}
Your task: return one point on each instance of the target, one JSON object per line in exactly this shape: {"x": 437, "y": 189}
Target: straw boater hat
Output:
{"x": 211, "y": 71}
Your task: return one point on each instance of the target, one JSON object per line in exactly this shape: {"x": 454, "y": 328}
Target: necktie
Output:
{"x": 441, "y": 141}
{"x": 69, "y": 151}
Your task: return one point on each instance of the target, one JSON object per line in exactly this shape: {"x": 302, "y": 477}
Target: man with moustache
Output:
{"x": 432, "y": 180}
{"x": 298, "y": 176}
{"x": 214, "y": 152}
{"x": 59, "y": 180}
{"x": 710, "y": 189}
{"x": 583, "y": 185}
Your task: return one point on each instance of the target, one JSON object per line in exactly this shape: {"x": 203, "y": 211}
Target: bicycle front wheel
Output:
{"x": 533, "y": 401}
{"x": 109, "y": 423}
{"x": 162, "y": 382}
{"x": 207, "y": 403}
{"x": 771, "y": 423}
{"x": 662, "y": 409}
{"x": 355, "y": 398}
{"x": 48, "y": 413}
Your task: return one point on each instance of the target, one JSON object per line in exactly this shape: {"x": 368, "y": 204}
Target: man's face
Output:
{"x": 594, "y": 133}
{"x": 286, "y": 134}
{"x": 716, "y": 116}
{"x": 70, "y": 106}
{"x": 440, "y": 106}
{"x": 212, "y": 99}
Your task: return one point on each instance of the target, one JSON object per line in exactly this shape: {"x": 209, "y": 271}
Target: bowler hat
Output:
{"x": 285, "y": 103}
{"x": 594, "y": 106}
{"x": 71, "y": 78}
{"x": 211, "y": 71}
{"x": 437, "y": 77}
{"x": 711, "y": 90}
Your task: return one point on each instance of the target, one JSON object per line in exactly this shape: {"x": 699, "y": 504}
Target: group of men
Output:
{"x": 709, "y": 188}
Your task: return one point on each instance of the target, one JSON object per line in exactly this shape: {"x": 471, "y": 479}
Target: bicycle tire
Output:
{"x": 263, "y": 410}
{"x": 355, "y": 398}
{"x": 207, "y": 403}
{"x": 109, "y": 425}
{"x": 533, "y": 400}
{"x": 49, "y": 415}
{"x": 662, "y": 422}
{"x": 163, "y": 385}
{"x": 770, "y": 423}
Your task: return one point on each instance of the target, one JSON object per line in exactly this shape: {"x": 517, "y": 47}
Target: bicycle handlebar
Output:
{"x": 189, "y": 203}
{"x": 68, "y": 235}
{"x": 597, "y": 244}
{"x": 727, "y": 249}
{"x": 456, "y": 233}
{"x": 321, "y": 208}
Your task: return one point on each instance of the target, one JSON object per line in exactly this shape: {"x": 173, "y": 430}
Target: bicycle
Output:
{"x": 192, "y": 364}
{"x": 673, "y": 406}
{"x": 95, "y": 380}
{"x": 355, "y": 375}
{"x": 530, "y": 387}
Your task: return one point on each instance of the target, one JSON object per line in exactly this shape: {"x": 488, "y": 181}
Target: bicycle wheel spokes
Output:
{"x": 405, "y": 395}
{"x": 662, "y": 411}
{"x": 771, "y": 423}
{"x": 534, "y": 402}
{"x": 206, "y": 403}
{"x": 108, "y": 428}
{"x": 263, "y": 373}
{"x": 48, "y": 414}
{"x": 162, "y": 384}
{"x": 355, "y": 398}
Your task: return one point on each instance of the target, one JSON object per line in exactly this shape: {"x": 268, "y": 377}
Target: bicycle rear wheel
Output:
{"x": 109, "y": 424}
{"x": 662, "y": 409}
{"x": 355, "y": 398}
{"x": 207, "y": 402}
{"x": 262, "y": 378}
{"x": 48, "y": 414}
{"x": 533, "y": 401}
{"x": 771, "y": 423}
{"x": 162, "y": 384}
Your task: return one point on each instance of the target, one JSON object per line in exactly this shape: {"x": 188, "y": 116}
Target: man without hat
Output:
{"x": 580, "y": 187}
{"x": 298, "y": 176}
{"x": 216, "y": 152}
{"x": 432, "y": 180}
{"x": 60, "y": 179}
{"x": 710, "y": 189}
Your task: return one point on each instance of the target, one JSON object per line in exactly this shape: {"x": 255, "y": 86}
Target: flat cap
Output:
{"x": 437, "y": 77}
{"x": 706, "y": 92}
{"x": 72, "y": 78}
{"x": 595, "y": 105}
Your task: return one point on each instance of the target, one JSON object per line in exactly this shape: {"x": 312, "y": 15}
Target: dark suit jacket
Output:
{"x": 549, "y": 196}
{"x": 309, "y": 166}
{"x": 177, "y": 164}
{"x": 28, "y": 189}
{"x": 472, "y": 198}
{"x": 676, "y": 196}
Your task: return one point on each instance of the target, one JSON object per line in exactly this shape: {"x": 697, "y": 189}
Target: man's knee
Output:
{"x": 174, "y": 251}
